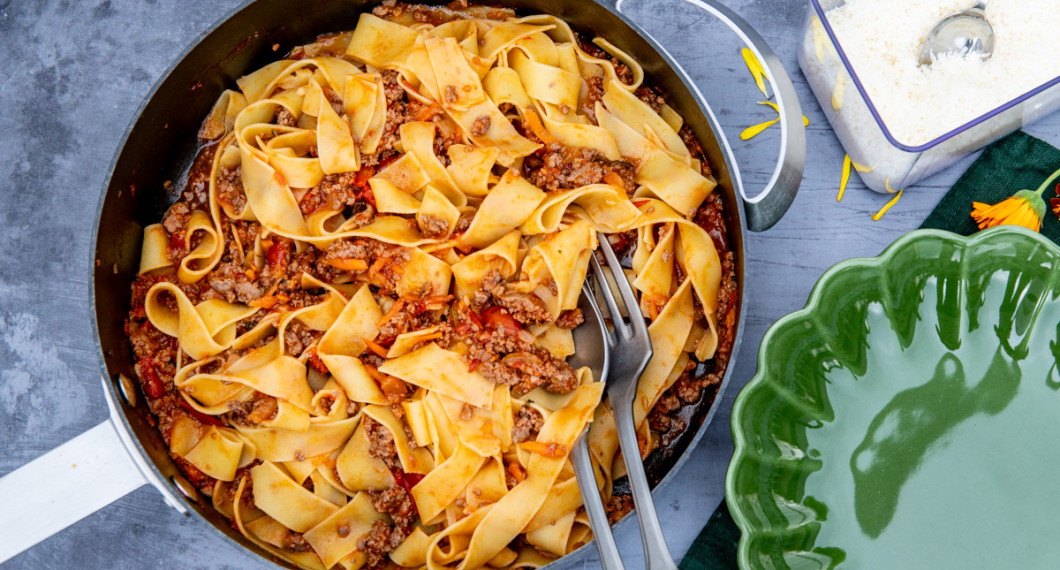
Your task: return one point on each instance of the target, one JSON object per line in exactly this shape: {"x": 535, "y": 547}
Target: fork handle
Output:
{"x": 656, "y": 554}
{"x": 594, "y": 506}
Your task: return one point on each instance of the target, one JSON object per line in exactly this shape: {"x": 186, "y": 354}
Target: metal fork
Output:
{"x": 593, "y": 350}
{"x": 630, "y": 351}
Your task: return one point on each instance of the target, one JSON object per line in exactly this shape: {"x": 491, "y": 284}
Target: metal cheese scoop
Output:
{"x": 966, "y": 32}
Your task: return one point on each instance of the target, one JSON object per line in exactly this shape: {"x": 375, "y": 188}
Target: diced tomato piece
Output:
{"x": 153, "y": 385}
{"x": 277, "y": 254}
{"x": 475, "y": 318}
{"x": 363, "y": 176}
{"x": 368, "y": 196}
{"x": 497, "y": 318}
{"x": 176, "y": 241}
{"x": 316, "y": 362}
{"x": 407, "y": 481}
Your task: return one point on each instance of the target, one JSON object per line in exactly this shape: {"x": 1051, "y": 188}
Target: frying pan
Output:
{"x": 126, "y": 451}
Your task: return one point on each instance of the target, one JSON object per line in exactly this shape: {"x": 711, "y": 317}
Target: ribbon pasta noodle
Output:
{"x": 353, "y": 332}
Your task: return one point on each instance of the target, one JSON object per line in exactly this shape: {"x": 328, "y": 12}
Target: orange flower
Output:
{"x": 1025, "y": 208}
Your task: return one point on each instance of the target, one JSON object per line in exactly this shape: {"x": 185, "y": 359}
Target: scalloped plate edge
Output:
{"x": 812, "y": 302}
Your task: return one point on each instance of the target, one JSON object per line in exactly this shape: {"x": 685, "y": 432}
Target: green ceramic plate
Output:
{"x": 909, "y": 416}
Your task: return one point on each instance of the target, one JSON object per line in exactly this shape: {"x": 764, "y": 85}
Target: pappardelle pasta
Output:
{"x": 352, "y": 327}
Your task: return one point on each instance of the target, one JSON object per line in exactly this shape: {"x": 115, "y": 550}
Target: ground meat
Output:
{"x": 651, "y": 97}
{"x": 251, "y": 413}
{"x": 658, "y": 421}
{"x": 381, "y": 443}
{"x": 687, "y": 389}
{"x": 526, "y": 370}
{"x": 624, "y": 73}
{"x": 433, "y": 227}
{"x": 623, "y": 243}
{"x": 481, "y": 126}
{"x": 528, "y": 422}
{"x": 233, "y": 282}
{"x": 409, "y": 14}
{"x": 196, "y": 190}
{"x": 570, "y": 319}
{"x": 229, "y": 188}
{"x": 527, "y": 308}
{"x": 562, "y": 167}
{"x": 618, "y": 506}
{"x": 338, "y": 191}
{"x": 297, "y": 337}
{"x": 376, "y": 544}
{"x": 482, "y": 297}
{"x": 397, "y": 503}
{"x": 385, "y": 262}
{"x": 594, "y": 94}
{"x": 690, "y": 140}
{"x": 711, "y": 218}
{"x": 451, "y": 96}
{"x": 397, "y": 112}
{"x": 176, "y": 218}
{"x": 295, "y": 542}
{"x": 410, "y": 315}
{"x": 667, "y": 403}
{"x": 284, "y": 118}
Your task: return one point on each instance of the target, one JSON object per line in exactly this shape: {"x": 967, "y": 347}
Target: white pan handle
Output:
{"x": 73, "y": 481}
{"x": 64, "y": 486}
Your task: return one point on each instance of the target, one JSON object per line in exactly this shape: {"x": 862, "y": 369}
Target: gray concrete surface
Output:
{"x": 72, "y": 75}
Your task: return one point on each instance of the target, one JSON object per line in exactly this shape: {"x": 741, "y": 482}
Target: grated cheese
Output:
{"x": 883, "y": 39}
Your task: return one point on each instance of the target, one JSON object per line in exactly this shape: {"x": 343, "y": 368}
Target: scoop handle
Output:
{"x": 64, "y": 486}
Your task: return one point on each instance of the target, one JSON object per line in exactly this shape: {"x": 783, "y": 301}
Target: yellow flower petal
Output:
{"x": 755, "y": 67}
{"x": 752, "y": 132}
{"x": 846, "y": 177}
{"x": 805, "y": 121}
{"x": 876, "y": 217}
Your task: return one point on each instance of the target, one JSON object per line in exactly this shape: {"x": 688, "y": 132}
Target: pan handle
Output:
{"x": 64, "y": 486}
{"x": 765, "y": 209}
{"x": 71, "y": 482}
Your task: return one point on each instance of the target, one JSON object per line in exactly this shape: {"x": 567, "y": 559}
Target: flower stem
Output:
{"x": 1052, "y": 178}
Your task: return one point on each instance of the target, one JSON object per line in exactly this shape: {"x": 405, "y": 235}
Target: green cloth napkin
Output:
{"x": 1016, "y": 162}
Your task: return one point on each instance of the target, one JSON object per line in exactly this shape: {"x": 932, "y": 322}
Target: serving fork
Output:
{"x": 626, "y": 349}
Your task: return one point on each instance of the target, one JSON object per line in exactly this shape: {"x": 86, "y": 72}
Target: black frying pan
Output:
{"x": 162, "y": 142}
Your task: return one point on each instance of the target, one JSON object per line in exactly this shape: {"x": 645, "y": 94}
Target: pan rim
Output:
{"x": 737, "y": 236}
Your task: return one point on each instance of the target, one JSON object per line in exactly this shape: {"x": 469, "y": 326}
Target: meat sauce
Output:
{"x": 492, "y": 323}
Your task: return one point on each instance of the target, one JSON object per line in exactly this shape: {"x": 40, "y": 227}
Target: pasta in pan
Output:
{"x": 353, "y": 326}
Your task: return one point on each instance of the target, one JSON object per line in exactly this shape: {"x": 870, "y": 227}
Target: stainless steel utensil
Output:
{"x": 593, "y": 351}
{"x": 630, "y": 352}
{"x": 966, "y": 32}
